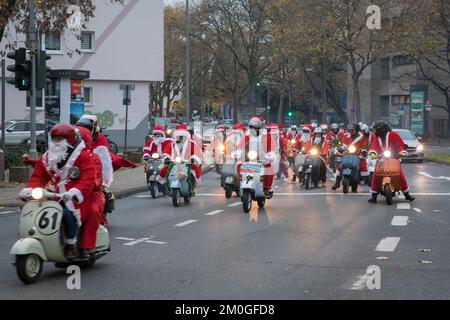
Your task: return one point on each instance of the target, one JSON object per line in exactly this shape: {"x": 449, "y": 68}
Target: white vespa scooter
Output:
{"x": 41, "y": 234}
{"x": 252, "y": 174}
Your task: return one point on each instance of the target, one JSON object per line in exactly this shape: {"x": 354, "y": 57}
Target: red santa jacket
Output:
{"x": 82, "y": 187}
{"x": 189, "y": 151}
{"x": 393, "y": 142}
{"x": 360, "y": 141}
{"x": 151, "y": 147}
{"x": 323, "y": 147}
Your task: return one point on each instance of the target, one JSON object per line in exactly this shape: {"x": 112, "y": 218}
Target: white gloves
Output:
{"x": 25, "y": 194}
{"x": 73, "y": 194}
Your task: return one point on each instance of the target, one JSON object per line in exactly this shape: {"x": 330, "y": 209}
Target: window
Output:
{"x": 385, "y": 69}
{"x": 384, "y": 101}
{"x": 53, "y": 41}
{"x": 87, "y": 41}
{"x": 20, "y": 126}
{"x": 87, "y": 95}
{"x": 401, "y": 60}
{"x": 40, "y": 127}
{"x": 403, "y": 100}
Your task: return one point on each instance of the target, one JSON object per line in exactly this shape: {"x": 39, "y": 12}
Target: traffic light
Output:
{"x": 258, "y": 84}
{"x": 21, "y": 68}
{"x": 42, "y": 71}
{"x": 290, "y": 114}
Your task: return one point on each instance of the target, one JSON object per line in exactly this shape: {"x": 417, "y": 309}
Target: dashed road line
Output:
{"x": 403, "y": 206}
{"x": 182, "y": 224}
{"x": 7, "y": 212}
{"x": 235, "y": 204}
{"x": 213, "y": 213}
{"x": 417, "y": 210}
{"x": 388, "y": 244}
{"x": 400, "y": 221}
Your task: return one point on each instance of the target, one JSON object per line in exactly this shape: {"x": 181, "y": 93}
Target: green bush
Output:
{"x": 13, "y": 156}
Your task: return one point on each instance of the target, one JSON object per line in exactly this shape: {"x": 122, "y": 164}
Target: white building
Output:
{"x": 122, "y": 44}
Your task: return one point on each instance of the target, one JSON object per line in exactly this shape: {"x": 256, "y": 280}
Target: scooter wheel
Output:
{"x": 29, "y": 268}
{"x": 307, "y": 182}
{"x": 346, "y": 184}
{"x": 154, "y": 189}
{"x": 176, "y": 199}
{"x": 228, "y": 191}
{"x": 388, "y": 195}
{"x": 187, "y": 200}
{"x": 247, "y": 201}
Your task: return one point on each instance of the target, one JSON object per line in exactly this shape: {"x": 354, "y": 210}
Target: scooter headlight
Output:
{"x": 314, "y": 152}
{"x": 387, "y": 154}
{"x": 293, "y": 141}
{"x": 352, "y": 149}
{"x": 253, "y": 155}
{"x": 155, "y": 156}
{"x": 178, "y": 160}
{"x": 37, "y": 194}
{"x": 221, "y": 148}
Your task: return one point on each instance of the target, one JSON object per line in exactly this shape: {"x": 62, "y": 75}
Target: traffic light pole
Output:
{"x": 3, "y": 103}
{"x": 32, "y": 36}
{"x": 188, "y": 66}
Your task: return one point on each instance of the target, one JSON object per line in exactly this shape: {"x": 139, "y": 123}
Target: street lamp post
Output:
{"x": 202, "y": 39}
{"x": 188, "y": 67}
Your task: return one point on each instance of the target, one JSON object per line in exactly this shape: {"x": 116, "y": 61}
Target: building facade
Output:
{"x": 122, "y": 44}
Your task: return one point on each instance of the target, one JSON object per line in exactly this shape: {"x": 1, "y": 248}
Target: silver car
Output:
{"x": 17, "y": 131}
{"x": 413, "y": 146}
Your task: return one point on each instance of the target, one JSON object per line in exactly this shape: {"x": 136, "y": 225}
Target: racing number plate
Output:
{"x": 251, "y": 168}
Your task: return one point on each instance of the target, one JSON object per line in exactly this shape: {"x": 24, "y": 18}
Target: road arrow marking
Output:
{"x": 235, "y": 204}
{"x": 434, "y": 178}
{"x": 417, "y": 210}
{"x": 403, "y": 206}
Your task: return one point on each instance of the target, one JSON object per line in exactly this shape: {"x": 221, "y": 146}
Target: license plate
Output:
{"x": 251, "y": 168}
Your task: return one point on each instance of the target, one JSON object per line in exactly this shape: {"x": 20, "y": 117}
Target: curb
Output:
{"x": 119, "y": 194}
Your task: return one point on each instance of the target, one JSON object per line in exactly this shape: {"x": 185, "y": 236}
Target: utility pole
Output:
{"x": 268, "y": 103}
{"x": 3, "y": 104}
{"x": 188, "y": 66}
{"x": 33, "y": 37}
{"x": 202, "y": 39}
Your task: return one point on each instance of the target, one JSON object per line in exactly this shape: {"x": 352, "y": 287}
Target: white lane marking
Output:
{"x": 185, "y": 223}
{"x": 234, "y": 204}
{"x": 388, "y": 244}
{"x": 135, "y": 242}
{"x": 417, "y": 210}
{"x": 361, "y": 283}
{"x": 7, "y": 212}
{"x": 400, "y": 221}
{"x": 155, "y": 242}
{"x": 124, "y": 239}
{"x": 213, "y": 213}
{"x": 337, "y": 194}
{"x": 403, "y": 206}
{"x": 143, "y": 196}
{"x": 434, "y": 178}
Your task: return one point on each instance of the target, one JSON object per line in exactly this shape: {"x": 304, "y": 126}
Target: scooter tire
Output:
{"x": 247, "y": 201}
{"x": 228, "y": 191}
{"x": 388, "y": 194}
{"x": 23, "y": 273}
{"x": 261, "y": 203}
{"x": 154, "y": 189}
{"x": 346, "y": 184}
{"x": 176, "y": 198}
{"x": 307, "y": 181}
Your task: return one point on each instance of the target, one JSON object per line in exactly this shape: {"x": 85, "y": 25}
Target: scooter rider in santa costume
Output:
{"x": 387, "y": 140}
{"x": 67, "y": 152}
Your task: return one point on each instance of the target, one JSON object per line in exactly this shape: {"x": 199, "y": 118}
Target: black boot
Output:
{"x": 294, "y": 178}
{"x": 337, "y": 185}
{"x": 374, "y": 198}
{"x": 408, "y": 197}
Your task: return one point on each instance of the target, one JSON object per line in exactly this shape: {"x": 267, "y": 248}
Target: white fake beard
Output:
{"x": 157, "y": 141}
{"x": 57, "y": 152}
{"x": 305, "y": 137}
{"x": 317, "y": 141}
{"x": 254, "y": 132}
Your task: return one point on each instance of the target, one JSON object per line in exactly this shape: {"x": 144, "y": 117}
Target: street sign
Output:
{"x": 428, "y": 106}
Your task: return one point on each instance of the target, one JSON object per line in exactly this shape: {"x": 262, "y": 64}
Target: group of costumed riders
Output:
{"x": 79, "y": 166}
{"x": 84, "y": 148}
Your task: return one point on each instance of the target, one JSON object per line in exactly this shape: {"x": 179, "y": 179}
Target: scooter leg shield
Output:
{"x": 387, "y": 180}
{"x": 28, "y": 246}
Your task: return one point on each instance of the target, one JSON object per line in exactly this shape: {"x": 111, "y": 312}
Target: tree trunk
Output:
{"x": 235, "y": 106}
{"x": 281, "y": 107}
{"x": 448, "y": 116}
{"x": 357, "y": 100}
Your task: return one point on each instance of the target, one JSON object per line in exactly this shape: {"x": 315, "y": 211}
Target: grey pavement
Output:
{"x": 313, "y": 244}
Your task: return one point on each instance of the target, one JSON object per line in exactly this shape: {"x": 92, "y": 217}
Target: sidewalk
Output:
{"x": 437, "y": 142}
{"x": 126, "y": 182}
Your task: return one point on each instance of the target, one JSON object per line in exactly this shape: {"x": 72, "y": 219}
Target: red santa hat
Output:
{"x": 159, "y": 130}
{"x": 308, "y": 127}
{"x": 221, "y": 128}
{"x": 238, "y": 126}
{"x": 281, "y": 126}
{"x": 181, "y": 131}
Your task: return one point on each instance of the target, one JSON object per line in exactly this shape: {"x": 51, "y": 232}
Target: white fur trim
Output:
{"x": 181, "y": 133}
{"x": 196, "y": 159}
{"x": 107, "y": 168}
{"x": 161, "y": 180}
{"x": 358, "y": 139}
{"x": 77, "y": 193}
{"x": 159, "y": 132}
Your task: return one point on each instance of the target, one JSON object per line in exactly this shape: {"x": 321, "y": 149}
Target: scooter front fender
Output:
{"x": 248, "y": 185}
{"x": 27, "y": 246}
{"x": 176, "y": 184}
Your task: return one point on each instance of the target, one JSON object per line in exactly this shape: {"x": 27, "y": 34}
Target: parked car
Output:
{"x": 17, "y": 131}
{"x": 413, "y": 146}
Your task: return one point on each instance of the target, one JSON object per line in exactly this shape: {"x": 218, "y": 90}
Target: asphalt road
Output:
{"x": 303, "y": 245}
